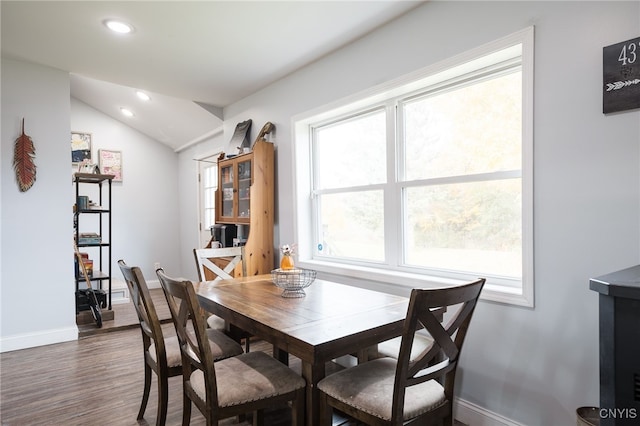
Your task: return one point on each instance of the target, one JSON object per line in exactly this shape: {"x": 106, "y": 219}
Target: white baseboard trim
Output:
{"x": 41, "y": 338}
{"x": 473, "y": 415}
{"x": 153, "y": 284}
{"x": 120, "y": 301}
{"x": 119, "y": 292}
{"x": 119, "y": 296}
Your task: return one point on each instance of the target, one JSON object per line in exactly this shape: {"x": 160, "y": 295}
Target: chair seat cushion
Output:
{"x": 391, "y": 348}
{"x": 369, "y": 388}
{"x": 216, "y": 323}
{"x": 172, "y": 348}
{"x": 222, "y": 346}
{"x": 249, "y": 377}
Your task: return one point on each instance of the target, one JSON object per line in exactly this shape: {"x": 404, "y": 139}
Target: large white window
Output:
{"x": 428, "y": 179}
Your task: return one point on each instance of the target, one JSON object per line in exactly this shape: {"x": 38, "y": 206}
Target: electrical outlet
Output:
{"x": 156, "y": 265}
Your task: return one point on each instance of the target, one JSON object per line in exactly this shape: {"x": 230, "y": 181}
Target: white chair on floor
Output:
{"x": 215, "y": 264}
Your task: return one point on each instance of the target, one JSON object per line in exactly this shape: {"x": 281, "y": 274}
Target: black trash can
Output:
{"x": 588, "y": 416}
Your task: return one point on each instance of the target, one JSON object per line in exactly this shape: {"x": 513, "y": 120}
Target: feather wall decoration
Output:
{"x": 23, "y": 161}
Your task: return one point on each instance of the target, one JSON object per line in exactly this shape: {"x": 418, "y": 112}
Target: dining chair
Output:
{"x": 162, "y": 354}
{"x": 386, "y": 391}
{"x": 234, "y": 386}
{"x": 215, "y": 264}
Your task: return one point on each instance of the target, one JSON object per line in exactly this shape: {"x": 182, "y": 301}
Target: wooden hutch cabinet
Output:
{"x": 245, "y": 198}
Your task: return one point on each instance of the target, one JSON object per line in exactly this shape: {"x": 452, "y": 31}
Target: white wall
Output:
{"x": 36, "y": 266}
{"x": 534, "y": 366}
{"x": 145, "y": 210}
{"x": 36, "y": 279}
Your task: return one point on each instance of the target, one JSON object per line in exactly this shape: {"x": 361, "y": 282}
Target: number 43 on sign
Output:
{"x": 628, "y": 53}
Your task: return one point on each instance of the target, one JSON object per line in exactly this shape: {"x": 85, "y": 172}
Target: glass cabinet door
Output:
{"x": 234, "y": 188}
{"x": 244, "y": 184}
{"x": 226, "y": 184}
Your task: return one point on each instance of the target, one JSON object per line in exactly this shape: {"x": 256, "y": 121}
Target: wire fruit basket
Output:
{"x": 293, "y": 281}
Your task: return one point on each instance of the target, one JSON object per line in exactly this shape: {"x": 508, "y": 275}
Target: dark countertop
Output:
{"x": 623, "y": 283}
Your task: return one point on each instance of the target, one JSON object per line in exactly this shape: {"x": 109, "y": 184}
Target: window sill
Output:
{"x": 401, "y": 282}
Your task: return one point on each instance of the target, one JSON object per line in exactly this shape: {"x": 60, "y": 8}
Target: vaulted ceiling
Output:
{"x": 193, "y": 58}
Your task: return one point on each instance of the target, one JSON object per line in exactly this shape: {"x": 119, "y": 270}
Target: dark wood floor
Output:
{"x": 98, "y": 380}
{"x": 124, "y": 316}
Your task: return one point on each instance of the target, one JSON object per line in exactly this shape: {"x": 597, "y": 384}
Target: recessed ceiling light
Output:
{"x": 143, "y": 95}
{"x": 126, "y": 112}
{"x": 118, "y": 26}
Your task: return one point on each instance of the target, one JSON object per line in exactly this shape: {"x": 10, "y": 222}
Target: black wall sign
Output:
{"x": 621, "y": 76}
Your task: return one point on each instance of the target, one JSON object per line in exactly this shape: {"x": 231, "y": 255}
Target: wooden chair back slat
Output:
{"x": 207, "y": 267}
{"x": 145, "y": 309}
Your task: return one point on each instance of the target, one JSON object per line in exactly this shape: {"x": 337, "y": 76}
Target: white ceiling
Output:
{"x": 183, "y": 52}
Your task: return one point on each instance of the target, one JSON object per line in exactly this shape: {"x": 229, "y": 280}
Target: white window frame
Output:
{"x": 473, "y": 60}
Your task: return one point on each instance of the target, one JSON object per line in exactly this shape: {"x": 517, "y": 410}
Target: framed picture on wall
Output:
{"x": 80, "y": 147}
{"x": 111, "y": 163}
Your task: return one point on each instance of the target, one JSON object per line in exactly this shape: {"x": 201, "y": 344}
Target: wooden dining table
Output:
{"x": 330, "y": 321}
